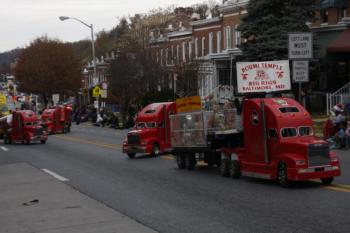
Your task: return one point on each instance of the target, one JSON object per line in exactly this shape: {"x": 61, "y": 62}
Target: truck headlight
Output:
{"x": 300, "y": 162}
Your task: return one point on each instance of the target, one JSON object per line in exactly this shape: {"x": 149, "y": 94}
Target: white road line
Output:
{"x": 4, "y": 148}
{"x": 58, "y": 177}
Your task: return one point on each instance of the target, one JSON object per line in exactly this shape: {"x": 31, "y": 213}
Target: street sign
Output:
{"x": 96, "y": 92}
{"x": 266, "y": 76}
{"x": 96, "y": 104}
{"x": 300, "y": 45}
{"x": 300, "y": 71}
{"x": 104, "y": 86}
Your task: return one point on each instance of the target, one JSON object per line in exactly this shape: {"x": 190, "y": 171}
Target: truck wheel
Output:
{"x": 224, "y": 169}
{"x": 282, "y": 175}
{"x": 180, "y": 160}
{"x": 327, "y": 181}
{"x": 131, "y": 155}
{"x": 43, "y": 141}
{"x": 190, "y": 161}
{"x": 7, "y": 140}
{"x": 234, "y": 169}
{"x": 155, "y": 149}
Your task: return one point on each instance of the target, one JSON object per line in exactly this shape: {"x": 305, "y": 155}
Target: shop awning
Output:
{"x": 341, "y": 44}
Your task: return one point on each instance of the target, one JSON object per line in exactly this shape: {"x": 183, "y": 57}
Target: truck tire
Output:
{"x": 190, "y": 161}
{"x": 131, "y": 155}
{"x": 282, "y": 175}
{"x": 181, "y": 162}
{"x": 234, "y": 169}
{"x": 43, "y": 141}
{"x": 155, "y": 149}
{"x": 224, "y": 171}
{"x": 7, "y": 140}
{"x": 327, "y": 181}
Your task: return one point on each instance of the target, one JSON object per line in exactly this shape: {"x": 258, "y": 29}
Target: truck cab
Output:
{"x": 279, "y": 144}
{"x": 151, "y": 133}
{"x": 57, "y": 119}
{"x": 23, "y": 127}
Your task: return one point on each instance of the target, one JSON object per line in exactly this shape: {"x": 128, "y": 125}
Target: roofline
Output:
{"x": 205, "y": 21}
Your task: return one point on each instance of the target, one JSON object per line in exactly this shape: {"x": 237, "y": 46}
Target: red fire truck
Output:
{"x": 277, "y": 142}
{"x": 22, "y": 126}
{"x": 151, "y": 134}
{"x": 57, "y": 119}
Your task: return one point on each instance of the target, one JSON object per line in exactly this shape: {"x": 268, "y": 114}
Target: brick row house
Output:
{"x": 210, "y": 45}
{"x": 332, "y": 33}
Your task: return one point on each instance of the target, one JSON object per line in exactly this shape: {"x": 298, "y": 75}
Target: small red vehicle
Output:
{"x": 22, "y": 126}
{"x": 151, "y": 134}
{"x": 57, "y": 119}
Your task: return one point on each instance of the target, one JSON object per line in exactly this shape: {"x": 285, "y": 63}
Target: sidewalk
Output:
{"x": 33, "y": 201}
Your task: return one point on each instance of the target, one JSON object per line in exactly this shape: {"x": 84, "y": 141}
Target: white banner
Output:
{"x": 266, "y": 76}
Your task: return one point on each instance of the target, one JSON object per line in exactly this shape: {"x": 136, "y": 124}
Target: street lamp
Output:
{"x": 62, "y": 18}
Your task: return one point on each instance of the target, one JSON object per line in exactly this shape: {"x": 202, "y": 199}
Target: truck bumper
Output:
{"x": 137, "y": 149}
{"x": 313, "y": 172}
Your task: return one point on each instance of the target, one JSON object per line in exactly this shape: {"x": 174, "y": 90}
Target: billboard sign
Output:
{"x": 268, "y": 76}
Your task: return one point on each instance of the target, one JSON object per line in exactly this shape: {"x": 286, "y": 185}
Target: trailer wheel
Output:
{"x": 327, "y": 181}
{"x": 282, "y": 175}
{"x": 181, "y": 162}
{"x": 234, "y": 169}
{"x": 224, "y": 167}
{"x": 155, "y": 149}
{"x": 190, "y": 161}
{"x": 131, "y": 155}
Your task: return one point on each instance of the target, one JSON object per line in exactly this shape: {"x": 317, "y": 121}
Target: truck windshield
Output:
{"x": 305, "y": 131}
{"x": 142, "y": 125}
{"x": 289, "y": 132}
{"x": 31, "y": 123}
{"x": 289, "y": 109}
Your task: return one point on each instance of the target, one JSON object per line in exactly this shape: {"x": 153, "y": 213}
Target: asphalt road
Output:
{"x": 157, "y": 194}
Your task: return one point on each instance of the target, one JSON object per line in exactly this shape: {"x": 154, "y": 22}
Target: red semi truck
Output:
{"x": 22, "y": 126}
{"x": 151, "y": 134}
{"x": 276, "y": 142}
{"x": 57, "y": 119}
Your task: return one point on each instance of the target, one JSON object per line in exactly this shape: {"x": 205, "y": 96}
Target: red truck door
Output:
{"x": 17, "y": 126}
{"x": 254, "y": 140}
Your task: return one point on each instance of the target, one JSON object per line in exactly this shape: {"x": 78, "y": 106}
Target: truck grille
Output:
{"x": 134, "y": 139}
{"x": 38, "y": 132}
{"x": 318, "y": 155}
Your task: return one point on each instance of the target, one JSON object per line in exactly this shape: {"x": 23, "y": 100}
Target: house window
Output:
{"x": 228, "y": 37}
{"x": 177, "y": 53}
{"x": 203, "y": 46}
{"x": 161, "y": 57}
{"x": 166, "y": 56}
{"x": 190, "y": 50}
{"x": 196, "y": 47}
{"x": 184, "y": 51}
{"x": 342, "y": 13}
{"x": 237, "y": 36}
{"x": 211, "y": 38}
{"x": 172, "y": 54}
{"x": 218, "y": 37}
{"x": 324, "y": 16}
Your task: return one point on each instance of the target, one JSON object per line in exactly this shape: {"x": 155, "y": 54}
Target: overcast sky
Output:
{"x": 21, "y": 21}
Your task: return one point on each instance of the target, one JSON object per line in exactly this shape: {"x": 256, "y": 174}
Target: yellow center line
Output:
{"x": 334, "y": 188}
{"x": 96, "y": 143}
